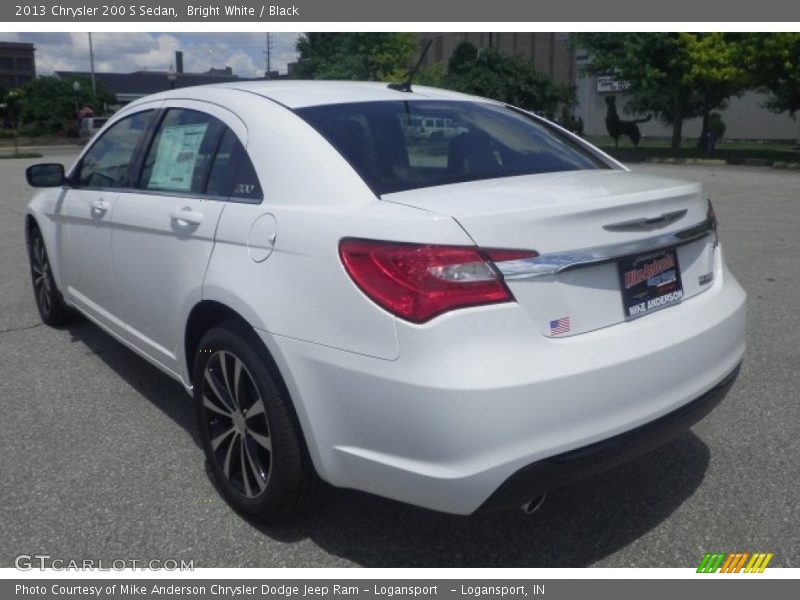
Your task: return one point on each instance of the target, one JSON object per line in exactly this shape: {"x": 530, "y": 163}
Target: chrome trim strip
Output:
{"x": 557, "y": 262}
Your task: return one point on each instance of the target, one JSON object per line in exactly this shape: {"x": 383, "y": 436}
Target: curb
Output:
{"x": 719, "y": 162}
{"x": 45, "y": 148}
{"x": 710, "y": 162}
{"x": 751, "y": 162}
{"x": 790, "y": 166}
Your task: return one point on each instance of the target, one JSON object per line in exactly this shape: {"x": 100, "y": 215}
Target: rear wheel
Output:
{"x": 254, "y": 448}
{"x": 49, "y": 301}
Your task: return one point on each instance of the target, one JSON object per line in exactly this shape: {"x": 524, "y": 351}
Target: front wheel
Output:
{"x": 51, "y": 306}
{"x": 254, "y": 448}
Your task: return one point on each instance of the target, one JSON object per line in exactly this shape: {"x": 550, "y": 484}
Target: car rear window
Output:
{"x": 398, "y": 146}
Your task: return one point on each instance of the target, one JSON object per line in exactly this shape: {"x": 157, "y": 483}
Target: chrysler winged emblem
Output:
{"x": 645, "y": 224}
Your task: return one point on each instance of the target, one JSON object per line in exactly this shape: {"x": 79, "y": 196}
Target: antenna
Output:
{"x": 406, "y": 85}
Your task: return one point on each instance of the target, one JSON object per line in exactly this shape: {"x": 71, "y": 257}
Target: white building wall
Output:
{"x": 745, "y": 118}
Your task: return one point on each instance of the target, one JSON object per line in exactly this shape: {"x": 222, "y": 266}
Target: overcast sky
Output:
{"x": 125, "y": 52}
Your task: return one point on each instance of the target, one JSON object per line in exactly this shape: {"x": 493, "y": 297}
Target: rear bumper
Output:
{"x": 542, "y": 476}
{"x": 479, "y": 395}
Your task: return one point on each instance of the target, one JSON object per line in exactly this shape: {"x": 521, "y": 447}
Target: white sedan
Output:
{"x": 462, "y": 325}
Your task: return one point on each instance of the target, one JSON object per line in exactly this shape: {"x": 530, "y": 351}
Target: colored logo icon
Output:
{"x": 734, "y": 562}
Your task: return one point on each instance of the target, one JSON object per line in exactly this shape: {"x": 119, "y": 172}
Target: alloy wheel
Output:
{"x": 236, "y": 422}
{"x": 42, "y": 277}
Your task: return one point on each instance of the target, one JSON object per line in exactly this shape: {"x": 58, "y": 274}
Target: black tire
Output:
{"x": 49, "y": 301}
{"x": 256, "y": 458}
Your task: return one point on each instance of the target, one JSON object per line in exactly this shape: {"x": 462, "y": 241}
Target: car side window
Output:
{"x": 107, "y": 163}
{"x": 181, "y": 152}
{"x": 232, "y": 174}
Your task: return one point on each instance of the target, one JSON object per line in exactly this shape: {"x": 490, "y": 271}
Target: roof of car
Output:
{"x": 299, "y": 94}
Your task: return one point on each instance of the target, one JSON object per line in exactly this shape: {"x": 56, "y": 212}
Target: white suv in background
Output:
{"x": 461, "y": 326}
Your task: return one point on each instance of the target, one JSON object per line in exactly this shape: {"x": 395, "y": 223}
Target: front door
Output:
{"x": 86, "y": 213}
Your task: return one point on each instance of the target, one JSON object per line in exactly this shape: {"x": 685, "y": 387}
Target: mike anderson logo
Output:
{"x": 649, "y": 270}
{"x": 734, "y": 562}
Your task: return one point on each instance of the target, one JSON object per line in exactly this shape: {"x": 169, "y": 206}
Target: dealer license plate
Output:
{"x": 650, "y": 282}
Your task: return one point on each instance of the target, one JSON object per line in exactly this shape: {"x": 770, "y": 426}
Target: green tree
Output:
{"x": 774, "y": 59}
{"x": 674, "y": 76}
{"x": 355, "y": 56}
{"x": 505, "y": 77}
{"x": 462, "y": 59}
{"x": 99, "y": 99}
{"x": 50, "y": 103}
{"x": 714, "y": 70}
{"x": 434, "y": 75}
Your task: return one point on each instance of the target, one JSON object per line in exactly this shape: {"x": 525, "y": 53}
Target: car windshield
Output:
{"x": 398, "y": 146}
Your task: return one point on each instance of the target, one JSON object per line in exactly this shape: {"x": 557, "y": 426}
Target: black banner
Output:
{"x": 705, "y": 586}
{"x": 448, "y": 11}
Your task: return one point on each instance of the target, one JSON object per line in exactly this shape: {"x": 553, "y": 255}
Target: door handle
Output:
{"x": 99, "y": 205}
{"x": 187, "y": 216}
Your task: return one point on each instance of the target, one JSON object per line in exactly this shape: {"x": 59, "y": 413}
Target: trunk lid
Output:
{"x": 566, "y": 212}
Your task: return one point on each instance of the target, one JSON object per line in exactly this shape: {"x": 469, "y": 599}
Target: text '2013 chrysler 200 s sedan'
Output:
{"x": 460, "y": 321}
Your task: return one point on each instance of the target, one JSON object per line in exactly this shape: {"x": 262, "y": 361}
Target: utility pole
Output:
{"x": 268, "y": 55}
{"x": 91, "y": 63}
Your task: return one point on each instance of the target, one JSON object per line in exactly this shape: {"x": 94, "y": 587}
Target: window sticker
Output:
{"x": 176, "y": 157}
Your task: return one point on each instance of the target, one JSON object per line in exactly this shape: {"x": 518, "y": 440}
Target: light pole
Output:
{"x": 76, "y": 87}
{"x": 91, "y": 62}
{"x": 172, "y": 76}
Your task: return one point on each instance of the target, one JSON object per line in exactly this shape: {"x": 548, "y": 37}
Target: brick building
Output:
{"x": 17, "y": 64}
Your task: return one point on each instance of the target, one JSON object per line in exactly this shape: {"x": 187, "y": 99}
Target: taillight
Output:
{"x": 419, "y": 281}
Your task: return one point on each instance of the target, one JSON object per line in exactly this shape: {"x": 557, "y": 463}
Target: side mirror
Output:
{"x": 45, "y": 175}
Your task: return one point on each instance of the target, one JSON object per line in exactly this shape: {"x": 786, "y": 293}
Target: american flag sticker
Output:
{"x": 559, "y": 326}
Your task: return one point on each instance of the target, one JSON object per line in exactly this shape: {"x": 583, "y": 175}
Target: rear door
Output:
{"x": 164, "y": 232}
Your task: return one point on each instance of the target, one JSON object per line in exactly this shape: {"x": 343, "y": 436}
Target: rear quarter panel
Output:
{"x": 302, "y": 291}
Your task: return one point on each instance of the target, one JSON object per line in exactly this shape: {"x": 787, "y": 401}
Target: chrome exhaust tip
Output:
{"x": 532, "y": 506}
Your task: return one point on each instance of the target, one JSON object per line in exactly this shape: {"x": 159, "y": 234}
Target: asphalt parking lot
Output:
{"x": 98, "y": 456}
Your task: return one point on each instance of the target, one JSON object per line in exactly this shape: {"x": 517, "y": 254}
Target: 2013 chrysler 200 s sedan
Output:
{"x": 460, "y": 321}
